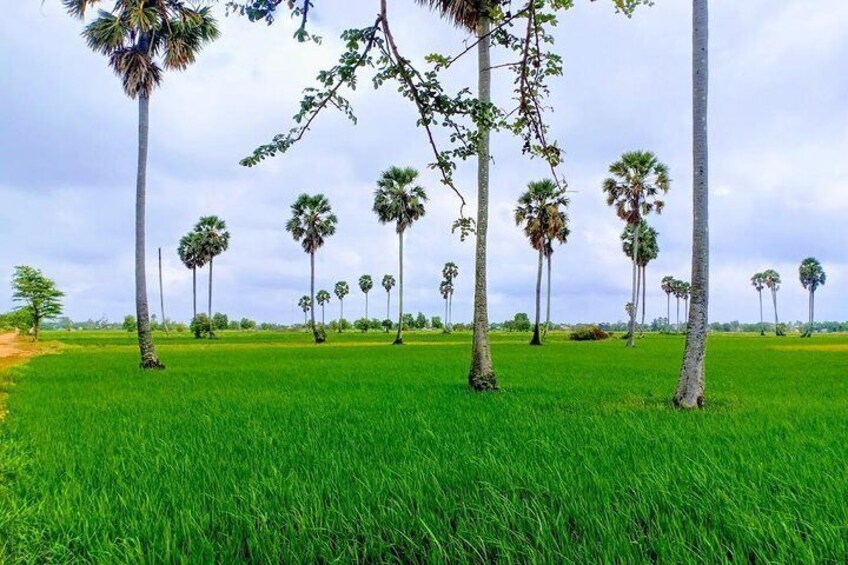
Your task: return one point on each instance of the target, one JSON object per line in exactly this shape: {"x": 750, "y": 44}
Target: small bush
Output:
{"x": 201, "y": 326}
{"x": 592, "y": 333}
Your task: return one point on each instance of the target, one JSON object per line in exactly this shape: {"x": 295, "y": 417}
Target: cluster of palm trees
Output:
{"x": 198, "y": 248}
{"x": 446, "y": 288}
{"x": 811, "y": 275}
{"x": 681, "y": 291}
{"x": 398, "y": 200}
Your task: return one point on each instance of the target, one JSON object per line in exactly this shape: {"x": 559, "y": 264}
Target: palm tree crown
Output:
{"x": 450, "y": 271}
{"x": 341, "y": 290}
{"x": 772, "y": 279}
{"x": 388, "y": 282}
{"x": 638, "y": 179}
{"x": 540, "y": 210}
{"x": 397, "y": 199}
{"x": 212, "y": 235}
{"x": 812, "y": 274}
{"x": 649, "y": 248}
{"x": 312, "y": 221}
{"x": 143, "y": 38}
{"x": 758, "y": 281}
{"x": 305, "y": 303}
{"x": 366, "y": 283}
{"x": 322, "y": 297}
{"x": 190, "y": 251}
{"x": 462, "y": 13}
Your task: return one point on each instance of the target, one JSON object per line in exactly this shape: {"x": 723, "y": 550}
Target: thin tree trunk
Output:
{"x": 481, "y": 376}
{"x": 631, "y": 327}
{"x": 548, "y": 305}
{"x": 211, "y": 260}
{"x": 762, "y": 324}
{"x": 399, "y": 337}
{"x": 776, "y": 320}
{"x": 691, "y": 384}
{"x": 149, "y": 359}
{"x": 668, "y": 308}
{"x": 446, "y": 314}
{"x": 341, "y": 313}
{"x": 316, "y": 335}
{"x": 812, "y": 311}
{"x": 677, "y": 325}
{"x": 366, "y": 306}
{"x": 536, "y": 337}
{"x": 322, "y": 314}
{"x": 450, "y": 311}
{"x": 162, "y": 294}
{"x": 388, "y": 304}
{"x": 194, "y": 291}
{"x": 644, "y": 295}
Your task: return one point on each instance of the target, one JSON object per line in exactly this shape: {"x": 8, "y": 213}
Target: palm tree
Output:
{"x": 678, "y": 289}
{"x": 388, "y": 284}
{"x": 311, "y": 222}
{"x": 141, "y": 39}
{"x": 341, "y": 290}
{"x": 365, "y": 285}
{"x": 399, "y": 200}
{"x": 685, "y": 291}
{"x": 759, "y": 283}
{"x": 667, "y": 285}
{"x": 214, "y": 240}
{"x": 543, "y": 221}
{"x": 446, "y": 290}
{"x": 191, "y": 254}
{"x": 322, "y": 297}
{"x": 475, "y": 16}
{"x": 648, "y": 251}
{"x": 305, "y": 304}
{"x": 812, "y": 276}
{"x": 690, "y": 385}
{"x": 450, "y": 271}
{"x": 638, "y": 179}
{"x": 772, "y": 280}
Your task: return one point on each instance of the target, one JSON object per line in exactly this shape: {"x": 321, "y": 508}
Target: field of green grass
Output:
{"x": 268, "y": 449}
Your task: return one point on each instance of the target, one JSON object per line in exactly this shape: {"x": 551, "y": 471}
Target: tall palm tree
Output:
{"x": 450, "y": 271}
{"x": 812, "y": 276}
{"x": 366, "y": 283}
{"x": 690, "y": 385}
{"x": 311, "y": 222}
{"x": 446, "y": 290}
{"x": 475, "y": 16}
{"x": 772, "y": 280}
{"x": 634, "y": 189}
{"x": 322, "y": 297}
{"x": 341, "y": 290}
{"x": 305, "y": 304}
{"x": 679, "y": 290}
{"x": 141, "y": 40}
{"x": 667, "y": 285}
{"x": 190, "y": 251}
{"x": 388, "y": 284}
{"x": 540, "y": 214}
{"x": 648, "y": 251}
{"x": 214, "y": 240}
{"x": 759, "y": 283}
{"x": 399, "y": 200}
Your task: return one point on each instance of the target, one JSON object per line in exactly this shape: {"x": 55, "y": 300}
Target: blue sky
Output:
{"x": 779, "y": 140}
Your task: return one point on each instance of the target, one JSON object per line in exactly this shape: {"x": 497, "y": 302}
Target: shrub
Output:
{"x": 590, "y": 333}
{"x": 201, "y": 326}
{"x": 129, "y": 324}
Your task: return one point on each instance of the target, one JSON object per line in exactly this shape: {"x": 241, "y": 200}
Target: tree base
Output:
{"x": 152, "y": 365}
{"x": 684, "y": 403}
{"x": 483, "y": 382}
{"x": 398, "y": 341}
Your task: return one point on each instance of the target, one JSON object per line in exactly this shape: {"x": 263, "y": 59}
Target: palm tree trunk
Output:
{"x": 631, "y": 326}
{"x": 388, "y": 304}
{"x": 668, "y": 308}
{"x": 162, "y": 294}
{"x": 776, "y": 320}
{"x": 762, "y": 325}
{"x": 644, "y": 294}
{"x": 322, "y": 314}
{"x": 812, "y": 310}
{"x": 481, "y": 377}
{"x": 690, "y": 385}
{"x": 366, "y": 305}
{"x": 149, "y": 359}
{"x": 316, "y": 335}
{"x": 211, "y": 260}
{"x": 450, "y": 311}
{"x": 548, "y": 305}
{"x": 447, "y": 328}
{"x": 399, "y": 337}
{"x": 194, "y": 291}
{"x": 677, "y": 324}
{"x": 536, "y": 337}
{"x": 341, "y": 313}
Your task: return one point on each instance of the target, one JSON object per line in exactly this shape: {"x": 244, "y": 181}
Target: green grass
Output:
{"x": 264, "y": 448}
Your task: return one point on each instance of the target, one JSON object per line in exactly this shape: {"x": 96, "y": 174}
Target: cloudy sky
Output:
{"x": 779, "y": 162}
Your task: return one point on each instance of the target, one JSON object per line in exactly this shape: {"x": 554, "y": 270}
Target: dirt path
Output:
{"x": 14, "y": 350}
